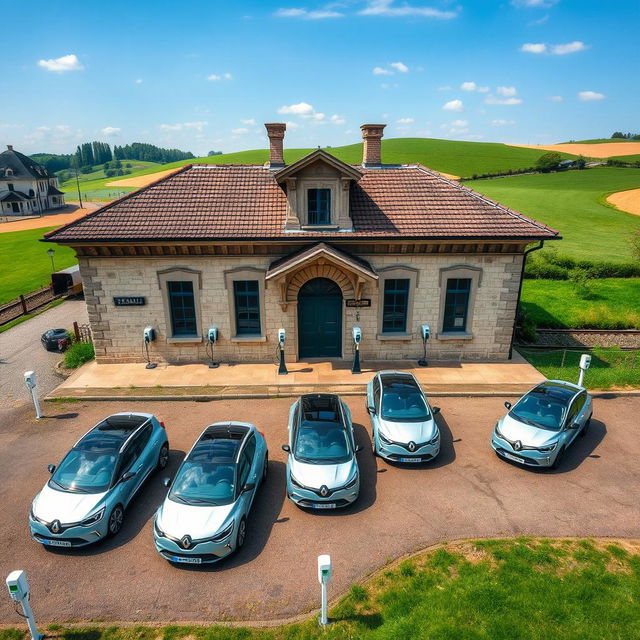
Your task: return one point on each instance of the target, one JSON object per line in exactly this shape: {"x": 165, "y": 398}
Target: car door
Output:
{"x": 573, "y": 416}
{"x": 255, "y": 466}
{"x": 123, "y": 489}
{"x": 146, "y": 456}
{"x": 375, "y": 403}
{"x": 348, "y": 423}
{"x": 244, "y": 497}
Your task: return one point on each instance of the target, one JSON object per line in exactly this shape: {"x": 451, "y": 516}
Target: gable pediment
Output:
{"x": 322, "y": 162}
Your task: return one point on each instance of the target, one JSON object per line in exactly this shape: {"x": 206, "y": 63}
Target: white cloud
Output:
{"x": 215, "y": 77}
{"x": 399, "y": 66}
{"x": 472, "y": 86}
{"x": 507, "y": 92}
{"x": 569, "y": 47}
{"x": 502, "y": 123}
{"x": 590, "y": 96}
{"x": 556, "y": 98}
{"x": 381, "y": 71}
{"x": 292, "y": 125}
{"x": 249, "y": 121}
{"x": 302, "y": 110}
{"x": 69, "y": 62}
{"x": 337, "y": 119}
{"x": 240, "y": 131}
{"x": 388, "y": 8}
{"x": 460, "y": 123}
{"x": 445, "y": 88}
{"x": 290, "y": 13}
{"x": 453, "y": 105}
{"x": 533, "y": 3}
{"x": 406, "y": 120}
{"x": 138, "y": 81}
{"x": 509, "y": 102}
{"x": 181, "y": 126}
{"x": 316, "y": 14}
{"x": 534, "y": 47}
{"x": 457, "y": 127}
{"x": 110, "y": 131}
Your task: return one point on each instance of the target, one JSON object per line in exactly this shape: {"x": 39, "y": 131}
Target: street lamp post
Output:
{"x": 50, "y": 253}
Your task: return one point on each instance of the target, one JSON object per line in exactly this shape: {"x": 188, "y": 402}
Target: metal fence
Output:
{"x": 25, "y": 304}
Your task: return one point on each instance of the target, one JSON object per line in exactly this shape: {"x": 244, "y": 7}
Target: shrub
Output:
{"x": 549, "y": 161}
{"x": 551, "y": 265}
{"x": 582, "y": 283}
{"x": 77, "y": 354}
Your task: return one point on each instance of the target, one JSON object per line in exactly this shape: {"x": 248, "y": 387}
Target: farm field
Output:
{"x": 592, "y": 149}
{"x": 572, "y": 202}
{"x": 628, "y": 201}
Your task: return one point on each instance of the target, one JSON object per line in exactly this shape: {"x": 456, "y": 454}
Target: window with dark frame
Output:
{"x": 319, "y": 206}
{"x": 456, "y": 304}
{"x": 182, "y": 306}
{"x": 11, "y": 187}
{"x": 246, "y": 295}
{"x": 395, "y": 305}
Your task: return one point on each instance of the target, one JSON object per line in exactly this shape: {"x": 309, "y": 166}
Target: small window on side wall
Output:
{"x": 395, "y": 305}
{"x": 319, "y": 206}
{"x": 182, "y": 307}
{"x": 246, "y": 295}
{"x": 456, "y": 305}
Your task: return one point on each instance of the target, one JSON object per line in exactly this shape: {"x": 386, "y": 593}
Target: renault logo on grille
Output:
{"x": 55, "y": 526}
{"x": 324, "y": 491}
{"x": 185, "y": 542}
{"x": 412, "y": 446}
{"x": 517, "y": 445}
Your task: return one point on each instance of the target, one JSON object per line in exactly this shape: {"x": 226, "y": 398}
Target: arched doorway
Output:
{"x": 320, "y": 319}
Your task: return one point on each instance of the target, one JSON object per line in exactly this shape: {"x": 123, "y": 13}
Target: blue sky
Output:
{"x": 205, "y": 74}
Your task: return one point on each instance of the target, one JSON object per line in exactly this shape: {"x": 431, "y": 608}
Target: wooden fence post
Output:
{"x": 23, "y": 302}
{"x": 76, "y": 330}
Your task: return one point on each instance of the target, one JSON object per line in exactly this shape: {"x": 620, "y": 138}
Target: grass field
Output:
{"x": 24, "y": 263}
{"x": 573, "y": 203}
{"x": 613, "y": 303}
{"x": 522, "y": 589}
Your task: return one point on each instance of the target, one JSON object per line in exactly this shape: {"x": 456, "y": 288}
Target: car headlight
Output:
{"x": 295, "y": 483}
{"x": 221, "y": 535}
{"x": 548, "y": 448}
{"x": 159, "y": 532}
{"x": 435, "y": 438}
{"x": 352, "y": 483}
{"x": 383, "y": 438}
{"x": 498, "y": 432}
{"x": 34, "y": 517}
{"x": 92, "y": 519}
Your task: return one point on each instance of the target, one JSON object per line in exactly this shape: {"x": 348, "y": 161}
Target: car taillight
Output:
{"x": 262, "y": 434}
{"x": 162, "y": 424}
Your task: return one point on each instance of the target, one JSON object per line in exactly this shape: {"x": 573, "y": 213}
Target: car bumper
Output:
{"x": 311, "y": 500}
{"x": 398, "y": 453}
{"x": 203, "y": 553}
{"x": 527, "y": 458}
{"x": 73, "y": 537}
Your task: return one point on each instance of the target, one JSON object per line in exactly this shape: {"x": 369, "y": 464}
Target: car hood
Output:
{"x": 177, "y": 519}
{"x": 316, "y": 475}
{"x": 68, "y": 507}
{"x": 405, "y": 432}
{"x": 527, "y": 434}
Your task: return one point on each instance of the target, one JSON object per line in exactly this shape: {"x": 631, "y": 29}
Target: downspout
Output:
{"x": 515, "y": 317}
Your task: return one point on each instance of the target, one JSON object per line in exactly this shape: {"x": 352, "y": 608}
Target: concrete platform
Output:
{"x": 198, "y": 381}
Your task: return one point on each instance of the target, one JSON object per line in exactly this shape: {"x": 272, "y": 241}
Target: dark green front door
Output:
{"x": 320, "y": 319}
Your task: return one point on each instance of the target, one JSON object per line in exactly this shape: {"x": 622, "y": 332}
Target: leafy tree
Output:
{"x": 549, "y": 161}
{"x": 617, "y": 134}
{"x": 581, "y": 162}
{"x": 214, "y": 153}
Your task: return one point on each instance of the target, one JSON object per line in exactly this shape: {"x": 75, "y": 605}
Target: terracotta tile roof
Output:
{"x": 218, "y": 202}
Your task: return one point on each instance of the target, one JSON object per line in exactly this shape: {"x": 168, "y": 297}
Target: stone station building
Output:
{"x": 316, "y": 247}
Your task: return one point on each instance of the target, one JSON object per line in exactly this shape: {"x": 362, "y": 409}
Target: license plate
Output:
{"x": 414, "y": 460}
{"x": 324, "y": 505}
{"x": 186, "y": 560}
{"x": 512, "y": 457}
{"x": 57, "y": 543}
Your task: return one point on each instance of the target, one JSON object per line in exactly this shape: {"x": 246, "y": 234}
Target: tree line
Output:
{"x": 625, "y": 136}
{"x": 149, "y": 153}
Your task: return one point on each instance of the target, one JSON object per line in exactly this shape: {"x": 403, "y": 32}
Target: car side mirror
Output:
{"x": 127, "y": 476}
{"x": 166, "y": 482}
{"x": 51, "y": 468}
{"x": 286, "y": 447}
{"x": 507, "y": 404}
{"x": 250, "y": 486}
{"x": 359, "y": 447}
{"x": 435, "y": 410}
{"x": 575, "y": 425}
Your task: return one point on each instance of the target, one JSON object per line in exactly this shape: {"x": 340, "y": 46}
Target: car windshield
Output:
{"x": 404, "y": 404}
{"x": 322, "y": 443}
{"x": 85, "y": 471}
{"x": 543, "y": 407}
{"x": 204, "y": 483}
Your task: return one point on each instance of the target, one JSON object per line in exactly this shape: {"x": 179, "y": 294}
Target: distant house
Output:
{"x": 26, "y": 187}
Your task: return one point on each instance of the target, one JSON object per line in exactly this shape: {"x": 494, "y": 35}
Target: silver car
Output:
{"x": 403, "y": 424}
{"x": 85, "y": 499}
{"x": 204, "y": 516}
{"x": 541, "y": 426}
{"x": 322, "y": 470}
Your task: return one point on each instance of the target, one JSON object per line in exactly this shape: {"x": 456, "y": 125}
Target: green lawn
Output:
{"x": 631, "y": 158}
{"x": 572, "y": 203}
{"x": 24, "y": 263}
{"x": 613, "y": 303}
{"x": 522, "y": 589}
{"x": 611, "y": 368}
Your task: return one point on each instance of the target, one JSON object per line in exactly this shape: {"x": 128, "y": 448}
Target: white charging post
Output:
{"x": 324, "y": 578}
{"x": 19, "y": 591}
{"x": 585, "y": 363}
{"x": 30, "y": 383}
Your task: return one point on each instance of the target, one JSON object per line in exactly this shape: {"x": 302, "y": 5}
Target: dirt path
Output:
{"x": 48, "y": 220}
{"x": 628, "y": 201}
{"x": 604, "y": 150}
{"x": 141, "y": 181}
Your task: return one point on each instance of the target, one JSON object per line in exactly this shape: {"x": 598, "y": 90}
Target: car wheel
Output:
{"x": 265, "y": 468}
{"x": 163, "y": 457}
{"x": 558, "y": 461}
{"x": 116, "y": 518}
{"x": 583, "y": 431}
{"x": 242, "y": 533}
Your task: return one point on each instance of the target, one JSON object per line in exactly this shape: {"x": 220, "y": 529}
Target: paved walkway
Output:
{"x": 257, "y": 380}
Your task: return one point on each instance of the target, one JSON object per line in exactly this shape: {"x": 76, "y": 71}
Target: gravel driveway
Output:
{"x": 466, "y": 492}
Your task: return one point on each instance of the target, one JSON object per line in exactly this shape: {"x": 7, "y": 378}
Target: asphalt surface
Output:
{"x": 466, "y": 493}
{"x": 21, "y": 350}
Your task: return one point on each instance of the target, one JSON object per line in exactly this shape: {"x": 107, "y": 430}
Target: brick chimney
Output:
{"x": 275, "y": 131}
{"x": 372, "y": 136}
{"x": 10, "y": 147}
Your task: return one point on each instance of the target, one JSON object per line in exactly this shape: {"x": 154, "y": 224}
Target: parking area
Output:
{"x": 466, "y": 492}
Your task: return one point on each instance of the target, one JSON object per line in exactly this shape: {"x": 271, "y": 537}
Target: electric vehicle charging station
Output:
{"x": 356, "y": 333}
{"x": 149, "y": 335}
{"x": 425, "y": 332}
{"x": 324, "y": 578}
{"x": 19, "y": 592}
{"x": 585, "y": 363}
{"x": 30, "y": 383}
{"x": 282, "y": 367}
{"x": 212, "y": 338}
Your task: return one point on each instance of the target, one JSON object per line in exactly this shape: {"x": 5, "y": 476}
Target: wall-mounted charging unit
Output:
{"x": 356, "y": 333}
{"x": 18, "y": 588}
{"x": 149, "y": 335}
{"x": 30, "y": 383}
{"x": 212, "y": 338}
{"x": 425, "y": 334}
{"x": 282, "y": 338}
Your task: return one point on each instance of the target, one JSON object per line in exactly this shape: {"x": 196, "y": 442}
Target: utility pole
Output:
{"x": 78, "y": 185}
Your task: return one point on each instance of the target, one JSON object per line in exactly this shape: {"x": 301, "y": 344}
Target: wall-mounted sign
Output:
{"x": 363, "y": 302}
{"x": 129, "y": 301}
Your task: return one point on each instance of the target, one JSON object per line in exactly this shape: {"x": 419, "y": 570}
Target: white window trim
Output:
{"x": 239, "y": 274}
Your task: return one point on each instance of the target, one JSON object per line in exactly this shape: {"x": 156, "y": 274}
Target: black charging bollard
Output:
{"x": 282, "y": 367}
{"x": 356, "y": 361}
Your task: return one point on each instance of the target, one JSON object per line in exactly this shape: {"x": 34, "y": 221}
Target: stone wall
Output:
{"x": 118, "y": 331}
